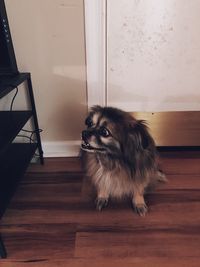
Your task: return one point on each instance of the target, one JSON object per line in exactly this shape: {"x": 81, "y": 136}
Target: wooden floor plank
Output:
{"x": 145, "y": 243}
{"x": 52, "y": 221}
{"x": 43, "y": 240}
{"x": 54, "y": 165}
{"x": 129, "y": 262}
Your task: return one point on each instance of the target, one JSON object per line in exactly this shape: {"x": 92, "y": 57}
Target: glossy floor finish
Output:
{"x": 52, "y": 221}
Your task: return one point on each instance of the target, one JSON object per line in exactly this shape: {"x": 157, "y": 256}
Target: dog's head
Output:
{"x": 114, "y": 132}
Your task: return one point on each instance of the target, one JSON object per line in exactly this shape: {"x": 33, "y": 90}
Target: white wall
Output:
{"x": 48, "y": 37}
{"x": 153, "y": 54}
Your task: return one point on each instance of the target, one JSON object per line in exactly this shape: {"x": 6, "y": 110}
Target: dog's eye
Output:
{"x": 104, "y": 132}
{"x": 88, "y": 122}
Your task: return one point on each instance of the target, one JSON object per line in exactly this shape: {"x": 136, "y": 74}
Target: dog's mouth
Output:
{"x": 87, "y": 146}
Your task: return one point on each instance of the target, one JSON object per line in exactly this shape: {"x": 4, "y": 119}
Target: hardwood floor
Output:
{"x": 51, "y": 221}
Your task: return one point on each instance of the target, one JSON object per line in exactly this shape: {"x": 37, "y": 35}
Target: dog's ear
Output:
{"x": 142, "y": 134}
{"x": 137, "y": 140}
{"x": 138, "y": 134}
{"x": 95, "y": 109}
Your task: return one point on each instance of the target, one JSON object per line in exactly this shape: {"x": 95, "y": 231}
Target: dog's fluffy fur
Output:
{"x": 121, "y": 156}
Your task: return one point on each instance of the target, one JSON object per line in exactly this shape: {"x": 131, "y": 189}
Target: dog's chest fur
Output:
{"x": 114, "y": 180}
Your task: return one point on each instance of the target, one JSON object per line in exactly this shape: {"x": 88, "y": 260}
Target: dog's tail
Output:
{"x": 161, "y": 177}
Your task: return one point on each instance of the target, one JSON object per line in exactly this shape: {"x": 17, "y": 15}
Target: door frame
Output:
{"x": 96, "y": 51}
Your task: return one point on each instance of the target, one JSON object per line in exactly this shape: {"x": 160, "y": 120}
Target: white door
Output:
{"x": 143, "y": 55}
{"x": 153, "y": 55}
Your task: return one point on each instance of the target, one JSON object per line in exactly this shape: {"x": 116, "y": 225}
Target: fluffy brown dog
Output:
{"x": 121, "y": 156}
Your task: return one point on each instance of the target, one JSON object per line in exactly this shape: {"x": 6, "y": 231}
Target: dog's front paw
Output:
{"x": 141, "y": 209}
{"x": 101, "y": 203}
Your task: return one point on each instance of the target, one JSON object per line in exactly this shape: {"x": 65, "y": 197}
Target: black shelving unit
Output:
{"x": 11, "y": 123}
{"x": 15, "y": 157}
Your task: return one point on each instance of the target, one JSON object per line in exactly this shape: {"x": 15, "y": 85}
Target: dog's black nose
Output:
{"x": 85, "y": 135}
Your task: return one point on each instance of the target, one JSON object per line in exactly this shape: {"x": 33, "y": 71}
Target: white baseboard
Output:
{"x": 61, "y": 148}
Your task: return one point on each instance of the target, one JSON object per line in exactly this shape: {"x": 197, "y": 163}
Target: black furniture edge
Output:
{"x": 15, "y": 157}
